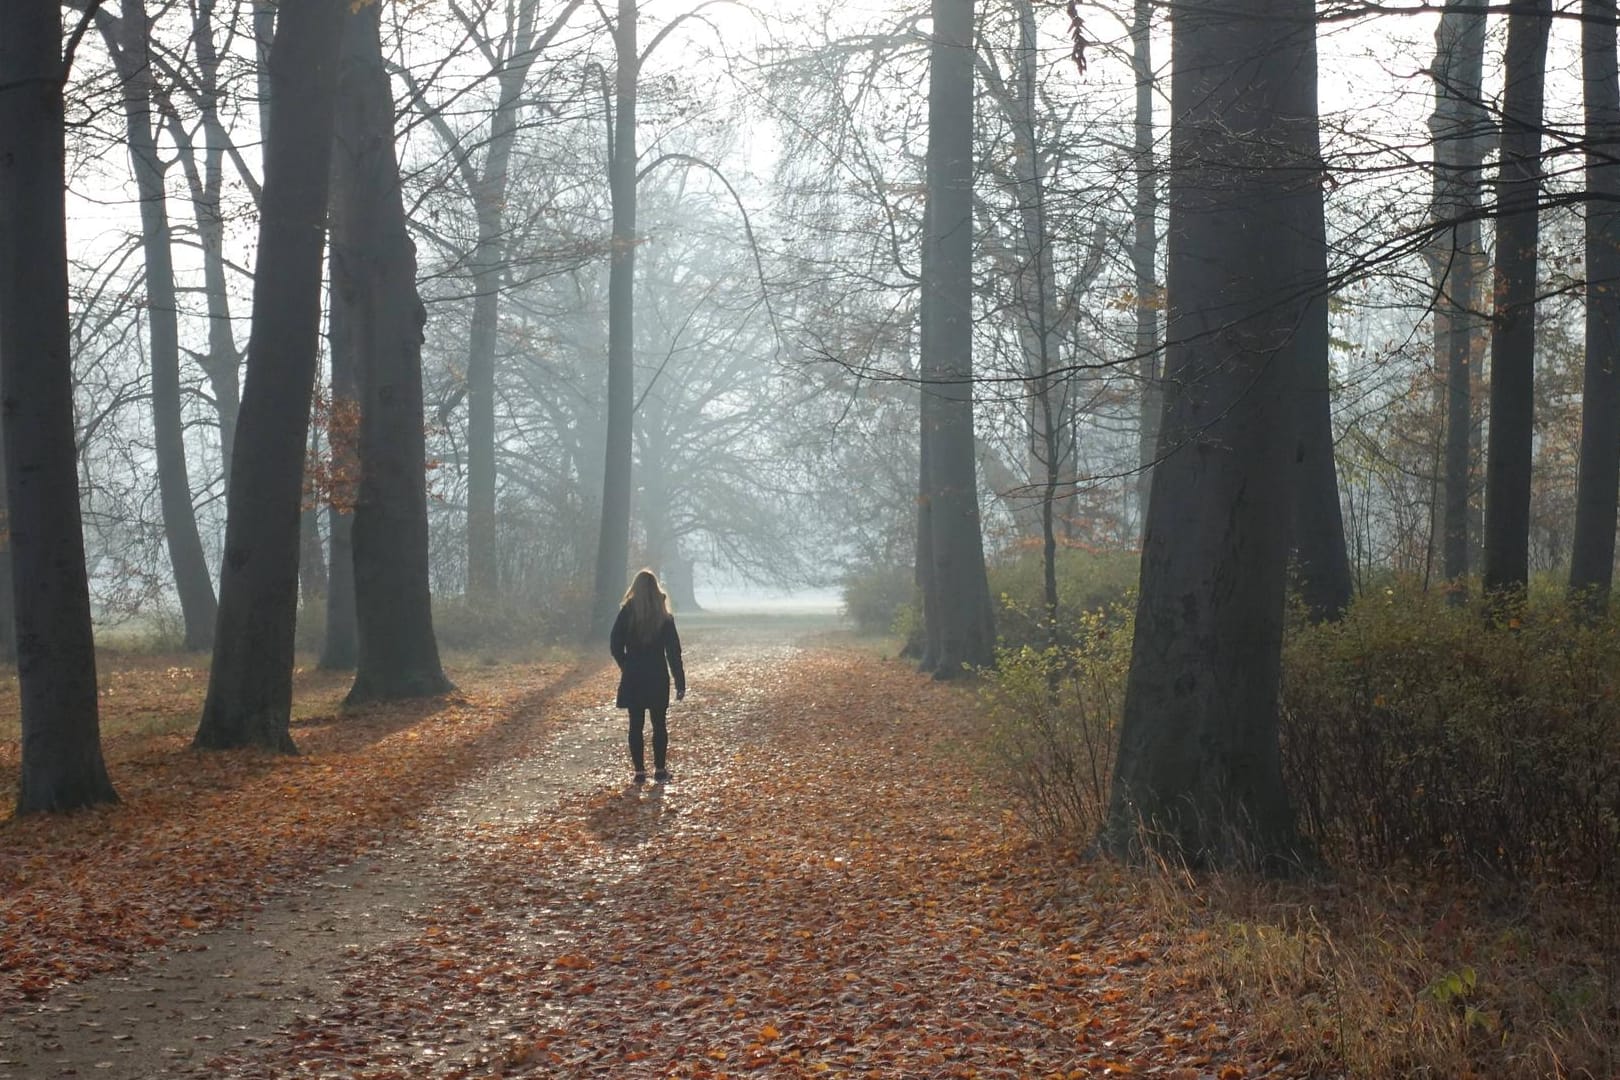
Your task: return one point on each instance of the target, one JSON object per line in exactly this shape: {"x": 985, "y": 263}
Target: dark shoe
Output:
{"x": 661, "y": 775}
{"x": 641, "y": 776}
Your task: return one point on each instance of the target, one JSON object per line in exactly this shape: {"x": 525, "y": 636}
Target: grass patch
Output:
{"x": 1374, "y": 977}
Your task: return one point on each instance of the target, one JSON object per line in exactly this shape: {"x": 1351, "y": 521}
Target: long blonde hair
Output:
{"x": 649, "y": 607}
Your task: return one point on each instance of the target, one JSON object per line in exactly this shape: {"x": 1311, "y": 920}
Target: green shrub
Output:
{"x": 1413, "y": 731}
{"x": 1056, "y": 723}
{"x": 1087, "y": 581}
{"x": 879, "y": 599}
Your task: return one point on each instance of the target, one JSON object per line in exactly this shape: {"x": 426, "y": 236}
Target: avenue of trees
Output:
{"x": 323, "y": 324}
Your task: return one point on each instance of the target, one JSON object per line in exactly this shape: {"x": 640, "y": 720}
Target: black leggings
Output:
{"x": 638, "y": 719}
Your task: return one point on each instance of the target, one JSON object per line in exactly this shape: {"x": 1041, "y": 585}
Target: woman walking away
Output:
{"x": 647, "y": 649}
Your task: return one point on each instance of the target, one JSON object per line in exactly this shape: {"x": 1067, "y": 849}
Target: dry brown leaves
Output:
{"x": 821, "y": 891}
{"x": 199, "y": 837}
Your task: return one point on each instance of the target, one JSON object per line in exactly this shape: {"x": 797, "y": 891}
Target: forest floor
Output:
{"x": 471, "y": 887}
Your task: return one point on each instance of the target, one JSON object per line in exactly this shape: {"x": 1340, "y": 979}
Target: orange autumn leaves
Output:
{"x": 828, "y": 888}
{"x": 199, "y": 837}
{"x": 822, "y": 891}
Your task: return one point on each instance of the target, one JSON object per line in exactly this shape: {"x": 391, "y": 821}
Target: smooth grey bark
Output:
{"x": 960, "y": 587}
{"x": 1322, "y": 560}
{"x": 340, "y": 648}
{"x": 375, "y": 266}
{"x": 130, "y": 46}
{"x": 1145, "y": 251}
{"x": 62, "y": 767}
{"x": 1457, "y": 128}
{"x": 1509, "y": 443}
{"x": 613, "y": 541}
{"x": 250, "y": 685}
{"x": 1199, "y": 773}
{"x": 1591, "y": 569}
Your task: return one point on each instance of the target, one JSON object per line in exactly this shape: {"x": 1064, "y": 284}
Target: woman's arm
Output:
{"x": 617, "y": 643}
{"x": 672, "y": 649}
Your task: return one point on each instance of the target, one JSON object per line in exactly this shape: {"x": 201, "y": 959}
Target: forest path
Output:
{"x": 816, "y": 893}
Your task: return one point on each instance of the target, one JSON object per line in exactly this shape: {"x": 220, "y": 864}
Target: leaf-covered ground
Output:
{"x": 824, "y": 889}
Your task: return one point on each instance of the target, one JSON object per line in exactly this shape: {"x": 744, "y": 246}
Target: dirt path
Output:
{"x": 816, "y": 893}
{"x": 228, "y": 991}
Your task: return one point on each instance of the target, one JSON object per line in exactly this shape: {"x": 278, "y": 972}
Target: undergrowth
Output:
{"x": 1414, "y": 732}
{"x": 1462, "y": 779}
{"x": 1056, "y": 723}
{"x": 882, "y": 600}
{"x": 1374, "y": 976}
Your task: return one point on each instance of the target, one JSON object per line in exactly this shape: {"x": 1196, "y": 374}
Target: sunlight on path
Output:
{"x": 182, "y": 1006}
{"x": 818, "y": 892}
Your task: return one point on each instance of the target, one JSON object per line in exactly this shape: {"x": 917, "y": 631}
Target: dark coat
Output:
{"x": 644, "y": 670}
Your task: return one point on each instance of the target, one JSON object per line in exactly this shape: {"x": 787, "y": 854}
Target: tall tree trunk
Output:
{"x": 1457, "y": 131}
{"x": 922, "y": 643}
{"x": 1591, "y": 569}
{"x": 264, "y": 34}
{"x": 1509, "y": 445}
{"x": 488, "y": 257}
{"x": 1199, "y": 769}
{"x": 8, "y": 604}
{"x": 250, "y": 686}
{"x": 1145, "y": 252}
{"x": 340, "y": 647}
{"x": 960, "y": 585}
{"x": 62, "y": 766}
{"x": 1318, "y": 526}
{"x": 1037, "y": 287}
{"x": 398, "y": 655}
{"x": 613, "y": 542}
{"x": 925, "y": 646}
{"x": 312, "y": 576}
{"x": 131, "y": 52}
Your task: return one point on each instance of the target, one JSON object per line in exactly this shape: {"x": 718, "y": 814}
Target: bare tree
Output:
{"x": 374, "y": 267}
{"x": 1199, "y": 772}
{"x": 1509, "y": 447}
{"x": 128, "y": 41}
{"x": 250, "y": 685}
{"x": 613, "y": 541}
{"x": 1323, "y": 568}
{"x": 954, "y": 573}
{"x": 1591, "y": 570}
{"x": 1145, "y": 248}
{"x": 62, "y": 766}
{"x": 1457, "y": 128}
{"x": 340, "y": 646}
{"x": 511, "y": 57}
